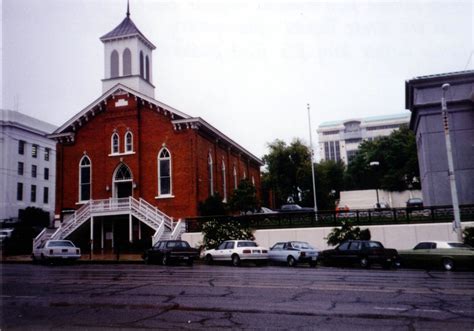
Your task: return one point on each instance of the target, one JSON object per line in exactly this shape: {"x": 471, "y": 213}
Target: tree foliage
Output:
{"x": 468, "y": 236}
{"x": 347, "y": 232}
{"x": 212, "y": 206}
{"x": 397, "y": 168}
{"x": 244, "y": 198}
{"x": 216, "y": 231}
{"x": 329, "y": 182}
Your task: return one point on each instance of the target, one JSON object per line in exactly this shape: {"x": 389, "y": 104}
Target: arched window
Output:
{"x": 210, "y": 175}
{"x": 128, "y": 142}
{"x": 123, "y": 173}
{"x": 253, "y": 181}
{"x": 115, "y": 143}
{"x": 127, "y": 62}
{"x": 164, "y": 172}
{"x": 234, "y": 173}
{"x": 85, "y": 168}
{"x": 114, "y": 64}
{"x": 224, "y": 182}
{"x": 147, "y": 69}
{"x": 123, "y": 182}
{"x": 142, "y": 74}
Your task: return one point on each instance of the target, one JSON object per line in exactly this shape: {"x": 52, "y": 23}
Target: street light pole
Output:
{"x": 452, "y": 179}
{"x": 376, "y": 164}
{"x": 312, "y": 163}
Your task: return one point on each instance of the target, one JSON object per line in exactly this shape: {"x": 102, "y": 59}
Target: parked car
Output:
{"x": 171, "y": 251}
{"x": 56, "y": 250}
{"x": 415, "y": 203}
{"x": 293, "y": 207}
{"x": 237, "y": 251}
{"x": 293, "y": 252}
{"x": 361, "y": 252}
{"x": 436, "y": 254}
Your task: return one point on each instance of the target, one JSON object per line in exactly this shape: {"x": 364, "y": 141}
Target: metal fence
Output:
{"x": 437, "y": 214}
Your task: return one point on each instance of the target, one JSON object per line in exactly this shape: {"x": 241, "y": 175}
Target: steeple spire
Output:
{"x": 128, "y": 8}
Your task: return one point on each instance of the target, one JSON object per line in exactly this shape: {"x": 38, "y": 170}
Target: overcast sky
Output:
{"x": 247, "y": 67}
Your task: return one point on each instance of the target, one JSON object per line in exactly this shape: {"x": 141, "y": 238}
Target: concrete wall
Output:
{"x": 366, "y": 199}
{"x": 401, "y": 236}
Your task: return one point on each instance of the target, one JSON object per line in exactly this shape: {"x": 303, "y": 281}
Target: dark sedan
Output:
{"x": 171, "y": 251}
{"x": 361, "y": 252}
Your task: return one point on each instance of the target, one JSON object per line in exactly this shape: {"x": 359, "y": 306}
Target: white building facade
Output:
{"x": 27, "y": 165}
{"x": 339, "y": 140}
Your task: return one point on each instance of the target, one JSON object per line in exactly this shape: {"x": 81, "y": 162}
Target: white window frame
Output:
{"x": 128, "y": 146}
{"x": 112, "y": 144}
{"x": 169, "y": 159}
{"x": 224, "y": 182}
{"x": 80, "y": 178}
{"x": 210, "y": 174}
{"x": 235, "y": 177}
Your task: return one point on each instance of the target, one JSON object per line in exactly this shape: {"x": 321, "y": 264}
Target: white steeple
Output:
{"x": 128, "y": 58}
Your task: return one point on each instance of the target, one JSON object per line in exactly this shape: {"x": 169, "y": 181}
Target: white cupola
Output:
{"x": 128, "y": 58}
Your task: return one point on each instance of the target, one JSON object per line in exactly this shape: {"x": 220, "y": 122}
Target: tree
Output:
{"x": 347, "y": 232}
{"x": 216, "y": 231}
{"x": 468, "y": 236}
{"x": 212, "y": 206}
{"x": 288, "y": 170}
{"x": 397, "y": 168}
{"x": 244, "y": 198}
{"x": 329, "y": 182}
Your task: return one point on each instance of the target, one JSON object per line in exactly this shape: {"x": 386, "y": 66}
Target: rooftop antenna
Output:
{"x": 128, "y": 8}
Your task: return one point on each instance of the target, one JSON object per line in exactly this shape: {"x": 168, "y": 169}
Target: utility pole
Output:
{"x": 452, "y": 179}
{"x": 312, "y": 162}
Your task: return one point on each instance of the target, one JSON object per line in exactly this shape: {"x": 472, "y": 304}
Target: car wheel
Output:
{"x": 164, "y": 260}
{"x": 448, "y": 264}
{"x": 291, "y": 261}
{"x": 364, "y": 262}
{"x": 235, "y": 260}
{"x": 209, "y": 259}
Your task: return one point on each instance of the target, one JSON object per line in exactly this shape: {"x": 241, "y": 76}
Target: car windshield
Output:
{"x": 178, "y": 244}
{"x": 301, "y": 245}
{"x": 246, "y": 244}
{"x": 458, "y": 245}
{"x": 60, "y": 243}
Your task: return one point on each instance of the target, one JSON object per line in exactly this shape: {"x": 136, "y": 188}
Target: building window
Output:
{"x": 234, "y": 173}
{"x": 47, "y": 151}
{"x": 253, "y": 181}
{"x": 21, "y": 147}
{"x": 114, "y": 64}
{"x": 164, "y": 172}
{"x": 128, "y": 142}
{"x": 329, "y": 133}
{"x": 224, "y": 182}
{"x": 85, "y": 179}
{"x": 127, "y": 62}
{"x": 210, "y": 175}
{"x": 115, "y": 143}
{"x": 19, "y": 191}
{"x": 142, "y": 70}
{"x": 46, "y": 173}
{"x": 21, "y": 168}
{"x": 147, "y": 69}
{"x": 33, "y": 193}
{"x": 34, "y": 170}
{"x": 34, "y": 151}
{"x": 332, "y": 150}
{"x": 351, "y": 155}
{"x": 45, "y": 195}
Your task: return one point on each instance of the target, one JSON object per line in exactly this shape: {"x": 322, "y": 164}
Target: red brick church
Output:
{"x": 129, "y": 165}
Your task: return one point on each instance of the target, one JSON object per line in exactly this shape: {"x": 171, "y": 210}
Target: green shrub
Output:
{"x": 347, "y": 232}
{"x": 212, "y": 206}
{"x": 216, "y": 231}
{"x": 468, "y": 236}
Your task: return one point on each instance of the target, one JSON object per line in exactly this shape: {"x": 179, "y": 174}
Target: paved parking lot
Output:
{"x": 136, "y": 296}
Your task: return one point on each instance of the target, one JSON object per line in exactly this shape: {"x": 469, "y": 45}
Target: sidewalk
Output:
{"x": 85, "y": 258}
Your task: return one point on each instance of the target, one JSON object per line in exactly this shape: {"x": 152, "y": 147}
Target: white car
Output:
{"x": 56, "y": 250}
{"x": 235, "y": 251}
{"x": 293, "y": 252}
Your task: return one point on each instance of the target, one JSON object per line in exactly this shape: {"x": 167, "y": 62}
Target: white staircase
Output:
{"x": 164, "y": 226}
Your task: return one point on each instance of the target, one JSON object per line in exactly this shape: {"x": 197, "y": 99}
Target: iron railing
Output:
{"x": 438, "y": 214}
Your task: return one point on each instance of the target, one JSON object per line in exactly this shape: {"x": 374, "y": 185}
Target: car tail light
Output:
{"x": 303, "y": 254}
{"x": 51, "y": 251}
{"x": 264, "y": 251}
{"x": 247, "y": 251}
{"x": 77, "y": 251}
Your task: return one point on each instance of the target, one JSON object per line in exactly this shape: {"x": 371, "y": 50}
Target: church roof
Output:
{"x": 126, "y": 29}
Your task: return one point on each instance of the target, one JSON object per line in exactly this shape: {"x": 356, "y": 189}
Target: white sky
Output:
{"x": 247, "y": 67}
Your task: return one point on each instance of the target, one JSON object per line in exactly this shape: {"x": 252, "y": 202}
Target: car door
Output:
{"x": 421, "y": 253}
{"x": 219, "y": 251}
{"x": 276, "y": 252}
{"x": 353, "y": 254}
{"x": 340, "y": 254}
{"x": 228, "y": 250}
